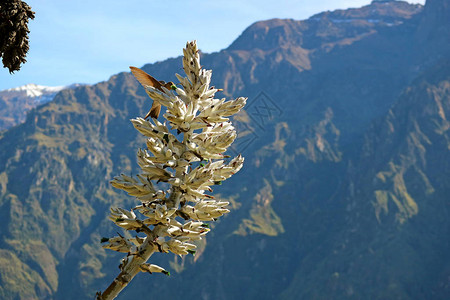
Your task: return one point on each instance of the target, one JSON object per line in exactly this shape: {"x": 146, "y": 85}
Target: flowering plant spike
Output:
{"x": 187, "y": 163}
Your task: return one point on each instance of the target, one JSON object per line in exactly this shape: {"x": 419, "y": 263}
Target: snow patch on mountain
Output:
{"x": 34, "y": 90}
{"x": 39, "y": 93}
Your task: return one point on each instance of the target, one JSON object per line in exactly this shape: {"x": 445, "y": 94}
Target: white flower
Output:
{"x": 119, "y": 244}
{"x": 177, "y": 170}
{"x": 153, "y": 269}
{"x": 124, "y": 218}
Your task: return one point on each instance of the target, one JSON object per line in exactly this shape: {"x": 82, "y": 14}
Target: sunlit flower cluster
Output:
{"x": 179, "y": 167}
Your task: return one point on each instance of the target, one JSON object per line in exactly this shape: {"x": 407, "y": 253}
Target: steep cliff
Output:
{"x": 342, "y": 196}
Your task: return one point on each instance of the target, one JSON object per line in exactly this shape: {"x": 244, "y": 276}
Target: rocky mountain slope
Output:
{"x": 16, "y": 102}
{"x": 343, "y": 194}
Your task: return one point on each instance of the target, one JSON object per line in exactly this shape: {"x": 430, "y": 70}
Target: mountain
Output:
{"x": 343, "y": 195}
{"x": 16, "y": 102}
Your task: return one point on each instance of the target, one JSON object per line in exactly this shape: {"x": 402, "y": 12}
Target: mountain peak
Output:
{"x": 16, "y": 102}
{"x": 34, "y": 90}
{"x": 42, "y": 93}
{"x": 326, "y": 27}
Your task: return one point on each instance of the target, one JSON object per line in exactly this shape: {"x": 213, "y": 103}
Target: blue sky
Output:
{"x": 87, "y": 41}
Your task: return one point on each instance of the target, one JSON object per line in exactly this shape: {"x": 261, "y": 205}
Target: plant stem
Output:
{"x": 130, "y": 270}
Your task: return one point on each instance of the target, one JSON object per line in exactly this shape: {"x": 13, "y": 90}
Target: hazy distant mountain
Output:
{"x": 16, "y": 102}
{"x": 344, "y": 193}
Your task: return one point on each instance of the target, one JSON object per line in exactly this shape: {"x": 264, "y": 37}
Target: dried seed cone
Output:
{"x": 14, "y": 45}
